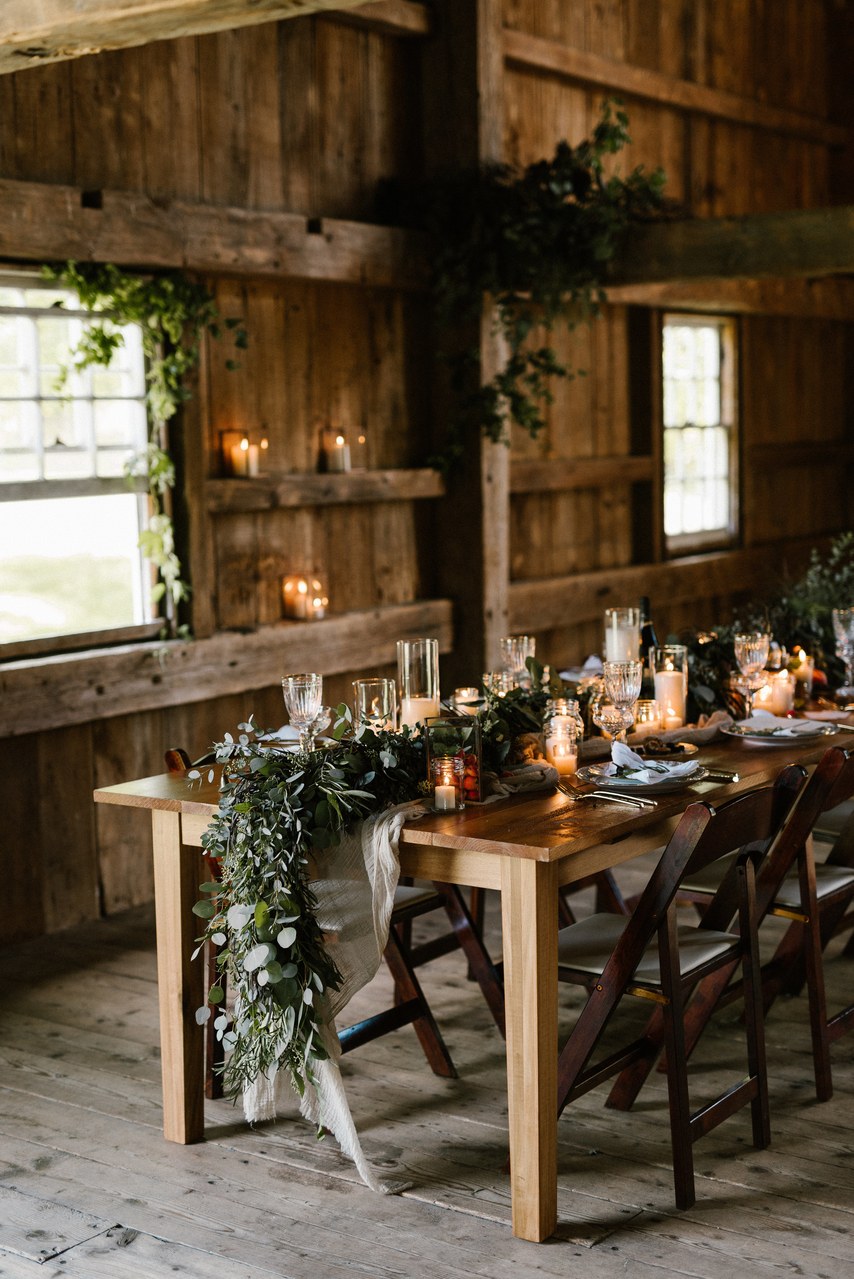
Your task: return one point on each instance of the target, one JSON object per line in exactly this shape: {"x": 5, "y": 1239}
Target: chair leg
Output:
{"x": 407, "y": 987}
{"x": 472, "y": 945}
{"x": 677, "y": 1069}
{"x": 814, "y": 967}
{"x": 753, "y": 1016}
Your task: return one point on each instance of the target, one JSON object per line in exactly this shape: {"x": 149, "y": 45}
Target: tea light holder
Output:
{"x": 304, "y": 599}
{"x": 335, "y": 450}
{"x": 466, "y": 700}
{"x": 777, "y": 695}
{"x": 447, "y": 776}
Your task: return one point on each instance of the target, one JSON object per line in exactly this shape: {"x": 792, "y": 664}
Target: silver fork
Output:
{"x": 633, "y": 801}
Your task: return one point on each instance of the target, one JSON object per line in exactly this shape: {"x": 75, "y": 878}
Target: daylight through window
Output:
{"x": 69, "y": 525}
{"x": 698, "y": 396}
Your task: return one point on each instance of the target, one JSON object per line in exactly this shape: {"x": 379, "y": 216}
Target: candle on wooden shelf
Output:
{"x": 359, "y": 451}
{"x": 244, "y": 458}
{"x": 336, "y": 450}
{"x": 304, "y": 598}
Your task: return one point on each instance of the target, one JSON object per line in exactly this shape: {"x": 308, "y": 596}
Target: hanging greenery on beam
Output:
{"x": 536, "y": 244}
{"x": 173, "y": 314}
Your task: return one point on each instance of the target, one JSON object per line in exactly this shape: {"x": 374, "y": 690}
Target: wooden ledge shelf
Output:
{"x": 55, "y": 692}
{"x": 46, "y": 221}
{"x": 560, "y": 474}
{"x": 230, "y": 496}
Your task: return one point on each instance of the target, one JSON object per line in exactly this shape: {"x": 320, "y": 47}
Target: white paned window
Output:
{"x": 69, "y": 524}
{"x": 698, "y": 408}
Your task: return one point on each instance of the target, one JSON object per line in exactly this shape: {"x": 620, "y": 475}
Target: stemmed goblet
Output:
{"x": 622, "y": 685}
{"x": 303, "y": 702}
{"x": 843, "y": 630}
{"x": 751, "y": 653}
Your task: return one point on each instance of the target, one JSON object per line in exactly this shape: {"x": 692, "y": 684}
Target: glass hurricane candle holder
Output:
{"x": 669, "y": 664}
{"x": 622, "y": 634}
{"x": 375, "y": 703}
{"x": 418, "y": 680}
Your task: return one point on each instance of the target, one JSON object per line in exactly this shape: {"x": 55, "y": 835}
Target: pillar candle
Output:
{"x": 416, "y": 709}
{"x": 670, "y": 694}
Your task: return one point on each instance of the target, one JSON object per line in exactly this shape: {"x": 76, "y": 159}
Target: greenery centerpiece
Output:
{"x": 279, "y": 812}
{"x": 537, "y": 243}
{"x": 798, "y": 614}
{"x": 173, "y": 313}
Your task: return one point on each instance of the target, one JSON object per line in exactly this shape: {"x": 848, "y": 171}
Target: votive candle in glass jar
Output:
{"x": 375, "y": 703}
{"x": 647, "y": 717}
{"x": 447, "y": 781}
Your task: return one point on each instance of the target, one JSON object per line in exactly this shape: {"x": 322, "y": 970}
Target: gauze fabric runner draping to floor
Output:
{"x": 354, "y": 904}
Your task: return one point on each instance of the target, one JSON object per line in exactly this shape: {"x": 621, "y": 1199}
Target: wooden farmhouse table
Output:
{"x": 524, "y": 847}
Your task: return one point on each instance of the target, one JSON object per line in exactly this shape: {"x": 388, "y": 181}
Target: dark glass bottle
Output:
{"x": 648, "y": 641}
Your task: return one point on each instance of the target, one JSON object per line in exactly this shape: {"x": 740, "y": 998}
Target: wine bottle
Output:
{"x": 648, "y": 642}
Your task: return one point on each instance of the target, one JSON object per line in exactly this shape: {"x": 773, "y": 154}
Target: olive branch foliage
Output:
{"x": 537, "y": 244}
{"x": 173, "y": 313}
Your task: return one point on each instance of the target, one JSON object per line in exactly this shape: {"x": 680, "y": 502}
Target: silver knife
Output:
{"x": 635, "y": 801}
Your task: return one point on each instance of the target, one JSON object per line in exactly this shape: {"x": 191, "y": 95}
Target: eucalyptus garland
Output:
{"x": 277, "y": 811}
{"x": 173, "y": 313}
{"x": 537, "y": 244}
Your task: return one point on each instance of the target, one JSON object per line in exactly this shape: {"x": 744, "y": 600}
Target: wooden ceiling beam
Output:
{"x": 57, "y": 30}
{"x": 803, "y": 244}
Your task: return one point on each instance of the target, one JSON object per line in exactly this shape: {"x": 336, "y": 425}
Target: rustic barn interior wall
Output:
{"x": 313, "y": 116}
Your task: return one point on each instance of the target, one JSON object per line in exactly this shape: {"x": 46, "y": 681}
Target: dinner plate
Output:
{"x": 593, "y": 773}
{"x": 775, "y": 737}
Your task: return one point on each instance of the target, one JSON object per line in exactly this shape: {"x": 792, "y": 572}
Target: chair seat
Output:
{"x": 831, "y": 823}
{"x": 708, "y": 879}
{"x": 586, "y": 947}
{"x": 406, "y": 896}
{"x": 828, "y": 880}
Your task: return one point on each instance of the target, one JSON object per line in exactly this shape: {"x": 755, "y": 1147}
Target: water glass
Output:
{"x": 843, "y": 630}
{"x": 375, "y": 703}
{"x": 622, "y": 634}
{"x": 515, "y": 651}
{"x": 623, "y": 686}
{"x": 418, "y": 680}
{"x": 304, "y": 703}
{"x": 751, "y": 654}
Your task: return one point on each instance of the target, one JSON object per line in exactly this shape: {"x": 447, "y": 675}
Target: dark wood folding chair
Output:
{"x": 652, "y": 957}
{"x": 817, "y": 898}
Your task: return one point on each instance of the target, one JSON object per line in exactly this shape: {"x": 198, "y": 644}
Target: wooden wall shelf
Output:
{"x": 266, "y": 493}
{"x": 55, "y": 692}
{"x": 46, "y": 221}
{"x": 560, "y": 474}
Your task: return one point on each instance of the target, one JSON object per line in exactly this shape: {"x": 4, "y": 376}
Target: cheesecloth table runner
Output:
{"x": 354, "y": 904}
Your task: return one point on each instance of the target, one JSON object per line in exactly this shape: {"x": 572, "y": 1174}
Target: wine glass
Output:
{"x": 751, "y": 653}
{"x": 623, "y": 686}
{"x": 843, "y": 630}
{"x": 304, "y": 704}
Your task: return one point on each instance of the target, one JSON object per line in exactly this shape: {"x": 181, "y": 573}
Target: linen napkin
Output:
{"x": 780, "y": 726}
{"x": 538, "y": 775}
{"x": 647, "y": 771}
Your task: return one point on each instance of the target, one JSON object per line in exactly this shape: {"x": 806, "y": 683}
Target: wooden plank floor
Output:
{"x": 88, "y": 1189}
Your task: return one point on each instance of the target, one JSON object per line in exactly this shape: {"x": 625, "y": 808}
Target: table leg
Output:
{"x": 180, "y": 980}
{"x": 529, "y": 924}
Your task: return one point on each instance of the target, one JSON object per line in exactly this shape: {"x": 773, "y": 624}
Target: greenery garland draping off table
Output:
{"x": 525, "y": 847}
